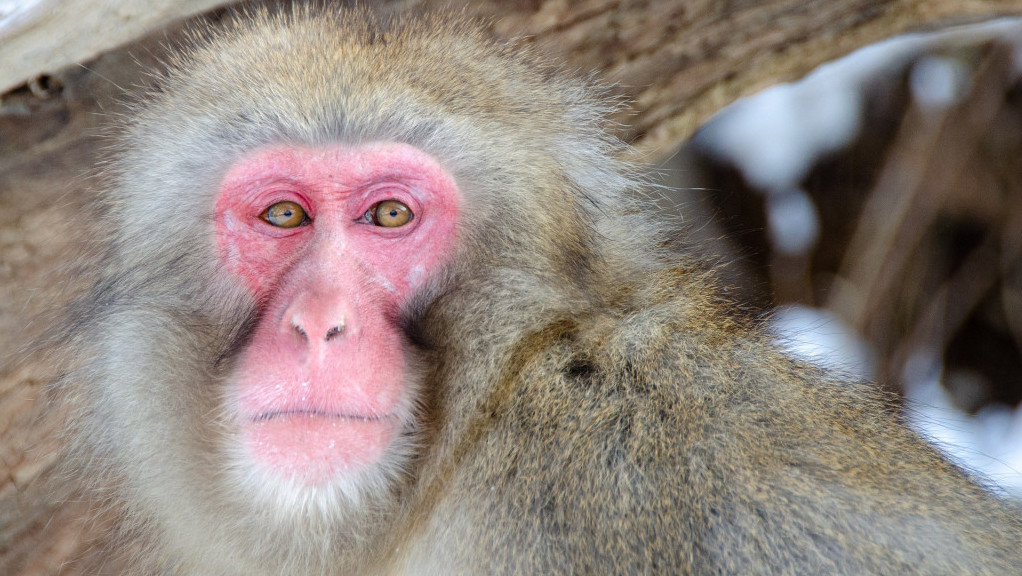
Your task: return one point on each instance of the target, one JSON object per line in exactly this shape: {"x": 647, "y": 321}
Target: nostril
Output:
{"x": 335, "y": 330}
{"x": 308, "y": 326}
{"x": 297, "y": 328}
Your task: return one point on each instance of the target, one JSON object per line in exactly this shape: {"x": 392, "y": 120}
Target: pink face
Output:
{"x": 331, "y": 242}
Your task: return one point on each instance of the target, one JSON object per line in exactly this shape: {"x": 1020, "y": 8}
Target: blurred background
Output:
{"x": 878, "y": 203}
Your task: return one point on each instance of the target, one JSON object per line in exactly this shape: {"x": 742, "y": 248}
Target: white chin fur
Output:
{"x": 290, "y": 497}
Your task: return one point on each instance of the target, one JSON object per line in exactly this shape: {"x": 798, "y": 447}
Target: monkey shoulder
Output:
{"x": 639, "y": 427}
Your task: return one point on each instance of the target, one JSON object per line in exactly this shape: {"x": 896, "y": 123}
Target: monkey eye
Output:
{"x": 389, "y": 214}
{"x": 285, "y": 215}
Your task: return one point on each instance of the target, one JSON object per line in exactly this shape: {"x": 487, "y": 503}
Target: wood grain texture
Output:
{"x": 53, "y": 34}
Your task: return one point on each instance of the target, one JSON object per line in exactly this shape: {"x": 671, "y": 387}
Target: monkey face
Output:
{"x": 330, "y": 243}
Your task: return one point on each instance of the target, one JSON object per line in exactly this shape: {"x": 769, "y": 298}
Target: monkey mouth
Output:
{"x": 316, "y": 446}
{"x": 326, "y": 414}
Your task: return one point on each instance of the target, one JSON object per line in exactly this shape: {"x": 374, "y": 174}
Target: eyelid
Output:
{"x": 390, "y": 190}
{"x": 260, "y": 202}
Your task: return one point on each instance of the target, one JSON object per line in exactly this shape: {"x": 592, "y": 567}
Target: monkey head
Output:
{"x": 301, "y": 202}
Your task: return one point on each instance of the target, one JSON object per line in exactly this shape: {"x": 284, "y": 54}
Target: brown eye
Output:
{"x": 390, "y": 214}
{"x": 285, "y": 215}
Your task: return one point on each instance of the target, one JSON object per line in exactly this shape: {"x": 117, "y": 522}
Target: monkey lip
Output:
{"x": 303, "y": 413}
{"x": 316, "y": 446}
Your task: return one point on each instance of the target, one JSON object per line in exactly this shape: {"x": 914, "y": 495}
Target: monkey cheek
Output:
{"x": 314, "y": 449}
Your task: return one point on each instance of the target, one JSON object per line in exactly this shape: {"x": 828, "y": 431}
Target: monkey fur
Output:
{"x": 585, "y": 399}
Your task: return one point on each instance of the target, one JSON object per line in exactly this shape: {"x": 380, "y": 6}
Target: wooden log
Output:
{"x": 45, "y": 36}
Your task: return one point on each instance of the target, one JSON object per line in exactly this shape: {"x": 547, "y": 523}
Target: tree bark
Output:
{"x": 681, "y": 61}
{"x": 84, "y": 29}
{"x": 676, "y": 61}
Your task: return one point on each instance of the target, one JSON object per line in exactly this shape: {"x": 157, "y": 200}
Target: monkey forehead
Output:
{"x": 321, "y": 75}
{"x": 344, "y": 168}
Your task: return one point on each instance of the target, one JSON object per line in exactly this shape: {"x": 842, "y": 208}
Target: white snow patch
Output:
{"x": 820, "y": 337}
{"x": 776, "y": 136}
{"x": 792, "y": 221}
{"x": 938, "y": 83}
{"x": 989, "y": 443}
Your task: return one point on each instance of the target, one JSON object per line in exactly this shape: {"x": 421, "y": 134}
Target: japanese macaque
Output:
{"x": 375, "y": 296}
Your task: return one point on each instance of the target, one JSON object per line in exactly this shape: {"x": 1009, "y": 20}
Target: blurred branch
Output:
{"x": 931, "y": 149}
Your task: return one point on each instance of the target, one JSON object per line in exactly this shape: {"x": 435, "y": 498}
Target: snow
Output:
{"x": 938, "y": 82}
{"x": 774, "y": 137}
{"x": 821, "y": 337}
{"x": 792, "y": 221}
{"x": 989, "y": 443}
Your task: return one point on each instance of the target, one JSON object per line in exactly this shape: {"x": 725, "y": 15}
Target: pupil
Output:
{"x": 393, "y": 213}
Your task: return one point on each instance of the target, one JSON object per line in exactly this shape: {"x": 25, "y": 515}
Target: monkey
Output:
{"x": 377, "y": 295}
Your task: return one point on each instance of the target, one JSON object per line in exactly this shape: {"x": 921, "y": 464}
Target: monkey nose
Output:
{"x": 333, "y": 329}
{"x": 319, "y": 317}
